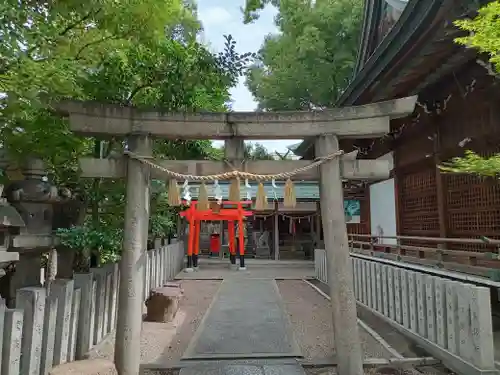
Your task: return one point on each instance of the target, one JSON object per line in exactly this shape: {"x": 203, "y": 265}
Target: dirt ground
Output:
{"x": 166, "y": 342}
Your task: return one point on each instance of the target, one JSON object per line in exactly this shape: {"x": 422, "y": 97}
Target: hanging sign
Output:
{"x": 352, "y": 211}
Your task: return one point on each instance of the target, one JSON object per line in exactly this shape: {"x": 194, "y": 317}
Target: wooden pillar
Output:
{"x": 232, "y": 244}
{"x": 196, "y": 247}
{"x": 179, "y": 228}
{"x": 184, "y": 235}
{"x": 318, "y": 225}
{"x": 132, "y": 267}
{"x": 398, "y": 196}
{"x": 276, "y": 232}
{"x": 234, "y": 151}
{"x": 190, "y": 244}
{"x": 241, "y": 244}
{"x": 222, "y": 238}
{"x": 440, "y": 189}
{"x": 340, "y": 278}
{"x": 313, "y": 233}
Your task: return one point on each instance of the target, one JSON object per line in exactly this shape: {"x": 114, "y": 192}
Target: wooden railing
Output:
{"x": 449, "y": 319}
{"x": 434, "y": 252}
{"x": 51, "y": 327}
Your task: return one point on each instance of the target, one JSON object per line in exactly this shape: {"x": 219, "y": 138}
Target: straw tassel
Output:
{"x": 261, "y": 198}
{"x": 203, "y": 203}
{"x": 174, "y": 198}
{"x": 289, "y": 197}
{"x": 234, "y": 190}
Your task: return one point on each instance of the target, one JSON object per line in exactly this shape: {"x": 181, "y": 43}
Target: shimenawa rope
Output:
{"x": 289, "y": 198}
{"x": 236, "y": 174}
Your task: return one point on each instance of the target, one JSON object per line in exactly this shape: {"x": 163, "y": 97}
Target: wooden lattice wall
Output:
{"x": 471, "y": 204}
{"x": 418, "y": 209}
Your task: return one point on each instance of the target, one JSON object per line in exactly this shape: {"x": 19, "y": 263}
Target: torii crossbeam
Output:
{"x": 142, "y": 126}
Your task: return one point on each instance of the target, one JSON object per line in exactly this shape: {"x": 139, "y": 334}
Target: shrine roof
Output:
{"x": 406, "y": 48}
{"x": 414, "y": 53}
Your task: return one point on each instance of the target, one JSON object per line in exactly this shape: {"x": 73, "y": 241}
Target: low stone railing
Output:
{"x": 450, "y": 319}
{"x": 63, "y": 324}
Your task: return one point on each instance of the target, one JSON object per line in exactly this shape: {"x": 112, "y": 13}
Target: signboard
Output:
{"x": 352, "y": 211}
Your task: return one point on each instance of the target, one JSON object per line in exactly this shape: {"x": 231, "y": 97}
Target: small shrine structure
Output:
{"x": 215, "y": 212}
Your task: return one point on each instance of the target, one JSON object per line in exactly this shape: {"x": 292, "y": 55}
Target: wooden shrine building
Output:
{"x": 277, "y": 232}
{"x": 408, "y": 48}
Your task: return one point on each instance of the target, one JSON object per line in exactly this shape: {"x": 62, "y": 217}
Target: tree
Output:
{"x": 141, "y": 53}
{"x": 253, "y": 151}
{"x": 257, "y": 151}
{"x": 483, "y": 32}
{"x": 252, "y": 8}
{"x": 47, "y": 51}
{"x": 311, "y": 61}
{"x": 483, "y": 35}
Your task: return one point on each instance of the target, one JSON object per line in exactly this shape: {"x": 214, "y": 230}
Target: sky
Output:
{"x": 223, "y": 17}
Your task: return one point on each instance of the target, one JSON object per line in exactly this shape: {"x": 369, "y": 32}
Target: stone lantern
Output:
{"x": 10, "y": 225}
{"x": 33, "y": 198}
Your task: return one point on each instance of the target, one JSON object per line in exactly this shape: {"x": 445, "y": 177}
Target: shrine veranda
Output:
{"x": 141, "y": 127}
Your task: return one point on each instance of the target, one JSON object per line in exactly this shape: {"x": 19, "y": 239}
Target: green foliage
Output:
{"x": 48, "y": 51}
{"x": 252, "y": 8}
{"x": 106, "y": 241}
{"x": 484, "y": 35}
{"x": 142, "y": 53}
{"x": 484, "y": 32}
{"x": 474, "y": 164}
{"x": 256, "y": 151}
{"x": 253, "y": 151}
{"x": 311, "y": 61}
{"x": 163, "y": 223}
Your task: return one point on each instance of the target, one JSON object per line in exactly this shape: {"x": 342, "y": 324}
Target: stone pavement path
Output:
{"x": 223, "y": 272}
{"x": 246, "y": 319}
{"x": 244, "y": 369}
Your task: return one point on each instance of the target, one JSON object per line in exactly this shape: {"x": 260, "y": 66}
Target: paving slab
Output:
{"x": 232, "y": 369}
{"x": 252, "y": 272}
{"x": 247, "y": 319}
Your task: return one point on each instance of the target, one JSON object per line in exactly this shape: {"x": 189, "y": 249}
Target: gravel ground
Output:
{"x": 368, "y": 371}
{"x": 166, "y": 342}
{"x": 312, "y": 322}
{"x": 404, "y": 346}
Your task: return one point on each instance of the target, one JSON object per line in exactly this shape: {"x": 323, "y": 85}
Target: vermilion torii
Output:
{"x": 194, "y": 216}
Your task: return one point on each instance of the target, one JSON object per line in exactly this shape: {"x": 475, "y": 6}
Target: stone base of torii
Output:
{"x": 141, "y": 127}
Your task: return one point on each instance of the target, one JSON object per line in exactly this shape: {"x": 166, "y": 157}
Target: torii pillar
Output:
{"x": 339, "y": 269}
{"x": 132, "y": 263}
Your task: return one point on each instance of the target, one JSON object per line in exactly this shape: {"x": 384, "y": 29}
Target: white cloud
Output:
{"x": 214, "y": 16}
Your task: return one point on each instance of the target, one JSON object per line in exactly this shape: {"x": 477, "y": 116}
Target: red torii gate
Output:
{"x": 195, "y": 216}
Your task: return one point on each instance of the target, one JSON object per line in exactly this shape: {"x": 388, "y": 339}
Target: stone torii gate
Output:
{"x": 140, "y": 127}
